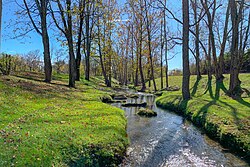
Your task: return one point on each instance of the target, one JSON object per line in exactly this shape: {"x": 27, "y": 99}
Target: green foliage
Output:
{"x": 222, "y": 117}
{"x": 5, "y": 64}
{"x": 245, "y": 62}
{"x": 245, "y": 68}
{"x": 52, "y": 125}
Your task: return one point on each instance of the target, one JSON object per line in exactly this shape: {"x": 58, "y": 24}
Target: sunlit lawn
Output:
{"x": 53, "y": 125}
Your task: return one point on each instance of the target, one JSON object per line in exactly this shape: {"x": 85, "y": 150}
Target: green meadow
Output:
{"x": 53, "y": 125}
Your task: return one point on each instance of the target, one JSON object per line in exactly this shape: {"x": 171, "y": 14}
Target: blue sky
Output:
{"x": 14, "y": 46}
{"x": 33, "y": 41}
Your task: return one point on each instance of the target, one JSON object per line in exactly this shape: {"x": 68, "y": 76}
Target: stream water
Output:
{"x": 169, "y": 140}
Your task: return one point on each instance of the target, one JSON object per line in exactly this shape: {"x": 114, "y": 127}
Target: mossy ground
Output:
{"x": 53, "y": 125}
{"x": 223, "y": 118}
{"x": 146, "y": 112}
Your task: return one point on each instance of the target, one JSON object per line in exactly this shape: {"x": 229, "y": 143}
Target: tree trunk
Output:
{"x": 45, "y": 36}
{"x": 79, "y": 39}
{"x": 185, "y": 51}
{"x": 234, "y": 85}
{"x": 88, "y": 44}
{"x": 149, "y": 47}
{"x": 137, "y": 66}
{"x": 209, "y": 68}
{"x": 162, "y": 46}
{"x": 107, "y": 82}
{"x": 126, "y": 58}
{"x": 210, "y": 19}
{"x": 47, "y": 59}
{"x": 223, "y": 45}
{"x": 140, "y": 48}
{"x": 132, "y": 54}
{"x": 149, "y": 78}
{"x": 72, "y": 66}
{"x": 110, "y": 63}
{"x": 72, "y": 61}
{"x": 141, "y": 70}
{"x": 140, "y": 63}
{"x": 166, "y": 45}
{"x": 103, "y": 68}
{"x": 42, "y": 7}
{"x": 197, "y": 39}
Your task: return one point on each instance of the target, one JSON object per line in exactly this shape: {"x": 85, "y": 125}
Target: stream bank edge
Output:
{"x": 236, "y": 142}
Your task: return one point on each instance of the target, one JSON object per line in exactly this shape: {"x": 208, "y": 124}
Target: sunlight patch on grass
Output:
{"x": 50, "y": 124}
{"x": 221, "y": 116}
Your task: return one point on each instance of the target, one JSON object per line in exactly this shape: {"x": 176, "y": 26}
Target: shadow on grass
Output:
{"x": 33, "y": 76}
{"x": 216, "y": 98}
{"x": 243, "y": 102}
{"x": 219, "y": 86}
{"x": 195, "y": 87}
{"x": 30, "y": 77}
{"x": 44, "y": 90}
{"x": 213, "y": 102}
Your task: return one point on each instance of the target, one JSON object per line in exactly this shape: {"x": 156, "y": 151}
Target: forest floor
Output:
{"x": 223, "y": 118}
{"x": 54, "y": 125}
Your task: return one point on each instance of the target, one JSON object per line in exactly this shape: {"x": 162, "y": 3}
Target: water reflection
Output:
{"x": 170, "y": 140}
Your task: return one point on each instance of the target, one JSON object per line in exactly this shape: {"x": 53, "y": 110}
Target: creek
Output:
{"x": 170, "y": 140}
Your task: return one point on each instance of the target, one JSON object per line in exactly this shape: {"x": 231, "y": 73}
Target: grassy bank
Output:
{"x": 53, "y": 125}
{"x": 223, "y": 118}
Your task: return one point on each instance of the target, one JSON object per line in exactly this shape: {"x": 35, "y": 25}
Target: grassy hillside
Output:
{"x": 222, "y": 117}
{"x": 177, "y": 81}
{"x": 53, "y": 125}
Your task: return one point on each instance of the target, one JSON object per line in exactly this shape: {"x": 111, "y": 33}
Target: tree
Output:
{"x": 138, "y": 21}
{"x": 197, "y": 38}
{"x": 140, "y": 40}
{"x": 41, "y": 28}
{"x": 59, "y": 61}
{"x": 185, "y": 50}
{"x": 88, "y": 39}
{"x": 166, "y": 43}
{"x": 5, "y": 64}
{"x": 106, "y": 14}
{"x": 134, "y": 41}
{"x": 33, "y": 60}
{"x": 79, "y": 38}
{"x": 65, "y": 16}
{"x": 162, "y": 46}
{"x": 212, "y": 44}
{"x": 149, "y": 44}
{"x": 221, "y": 67}
{"x": 238, "y": 45}
{"x": 101, "y": 45}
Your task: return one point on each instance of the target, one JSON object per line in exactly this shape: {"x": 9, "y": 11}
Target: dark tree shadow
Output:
{"x": 243, "y": 102}
{"x": 234, "y": 112}
{"x": 216, "y": 98}
{"x": 209, "y": 89}
{"x": 195, "y": 87}
{"x": 219, "y": 86}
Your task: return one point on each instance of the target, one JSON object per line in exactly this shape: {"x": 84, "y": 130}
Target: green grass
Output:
{"x": 222, "y": 117}
{"x": 53, "y": 125}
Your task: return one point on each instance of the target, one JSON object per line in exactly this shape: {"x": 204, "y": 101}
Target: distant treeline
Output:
{"x": 28, "y": 62}
{"x": 227, "y": 62}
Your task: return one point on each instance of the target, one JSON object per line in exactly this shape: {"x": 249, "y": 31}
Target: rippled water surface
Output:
{"x": 169, "y": 140}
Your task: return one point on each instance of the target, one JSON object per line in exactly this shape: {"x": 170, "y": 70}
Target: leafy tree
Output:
{"x": 65, "y": 17}
{"x": 40, "y": 7}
